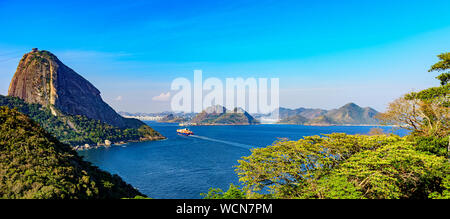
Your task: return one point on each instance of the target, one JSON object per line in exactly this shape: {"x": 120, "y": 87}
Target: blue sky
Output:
{"x": 326, "y": 53}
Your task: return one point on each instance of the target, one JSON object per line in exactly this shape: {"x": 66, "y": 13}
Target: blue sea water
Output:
{"x": 185, "y": 166}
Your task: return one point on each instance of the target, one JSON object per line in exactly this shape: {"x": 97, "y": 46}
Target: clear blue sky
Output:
{"x": 326, "y": 53}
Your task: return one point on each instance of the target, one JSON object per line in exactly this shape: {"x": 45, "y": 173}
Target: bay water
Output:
{"x": 185, "y": 166}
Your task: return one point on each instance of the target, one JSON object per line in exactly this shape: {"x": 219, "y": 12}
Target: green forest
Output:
{"x": 35, "y": 165}
{"x": 374, "y": 166}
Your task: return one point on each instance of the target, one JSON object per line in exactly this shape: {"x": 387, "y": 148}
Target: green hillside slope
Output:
{"x": 35, "y": 165}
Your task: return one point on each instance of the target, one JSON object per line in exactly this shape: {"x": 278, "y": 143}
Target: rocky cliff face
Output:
{"x": 42, "y": 78}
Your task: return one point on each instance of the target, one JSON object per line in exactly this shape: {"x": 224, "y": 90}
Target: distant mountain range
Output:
{"x": 171, "y": 118}
{"x": 349, "y": 114}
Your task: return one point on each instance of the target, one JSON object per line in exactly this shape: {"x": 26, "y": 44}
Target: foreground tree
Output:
{"x": 343, "y": 166}
{"x": 35, "y": 165}
{"x": 426, "y": 113}
{"x": 424, "y": 117}
{"x": 442, "y": 66}
{"x": 374, "y": 166}
{"x": 234, "y": 192}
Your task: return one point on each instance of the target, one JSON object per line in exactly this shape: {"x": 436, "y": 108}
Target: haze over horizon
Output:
{"x": 325, "y": 53}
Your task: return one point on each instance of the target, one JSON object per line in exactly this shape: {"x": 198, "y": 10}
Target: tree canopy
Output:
{"x": 343, "y": 166}
{"x": 442, "y": 65}
{"x": 427, "y": 112}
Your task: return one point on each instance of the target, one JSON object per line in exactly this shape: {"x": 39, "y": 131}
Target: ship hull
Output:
{"x": 185, "y": 132}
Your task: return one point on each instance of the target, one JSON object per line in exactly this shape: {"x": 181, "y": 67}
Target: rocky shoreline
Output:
{"x": 108, "y": 143}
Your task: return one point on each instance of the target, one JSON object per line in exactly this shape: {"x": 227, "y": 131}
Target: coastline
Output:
{"x": 99, "y": 145}
{"x": 312, "y": 125}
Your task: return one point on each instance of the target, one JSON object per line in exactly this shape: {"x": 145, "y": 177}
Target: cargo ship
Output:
{"x": 185, "y": 131}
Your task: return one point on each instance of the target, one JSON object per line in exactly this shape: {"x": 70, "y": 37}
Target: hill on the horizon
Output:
{"x": 294, "y": 120}
{"x": 173, "y": 119}
{"x": 219, "y": 115}
{"x": 349, "y": 114}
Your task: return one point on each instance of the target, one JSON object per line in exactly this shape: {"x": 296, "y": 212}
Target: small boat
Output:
{"x": 185, "y": 131}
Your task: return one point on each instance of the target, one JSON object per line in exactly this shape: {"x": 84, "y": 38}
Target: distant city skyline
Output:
{"x": 325, "y": 53}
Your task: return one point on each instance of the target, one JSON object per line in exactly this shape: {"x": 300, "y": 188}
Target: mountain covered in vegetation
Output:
{"x": 294, "y": 120}
{"x": 304, "y": 112}
{"x": 78, "y": 129}
{"x": 349, "y": 114}
{"x": 219, "y": 115}
{"x": 171, "y": 118}
{"x": 35, "y": 165}
{"x": 67, "y": 105}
